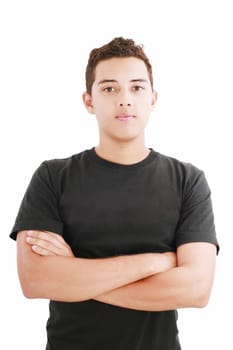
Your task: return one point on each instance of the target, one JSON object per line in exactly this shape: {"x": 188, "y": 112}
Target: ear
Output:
{"x": 87, "y": 100}
{"x": 154, "y": 99}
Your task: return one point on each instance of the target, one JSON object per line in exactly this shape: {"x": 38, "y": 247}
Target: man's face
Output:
{"x": 122, "y": 98}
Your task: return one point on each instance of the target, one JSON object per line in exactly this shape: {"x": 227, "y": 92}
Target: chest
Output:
{"x": 117, "y": 216}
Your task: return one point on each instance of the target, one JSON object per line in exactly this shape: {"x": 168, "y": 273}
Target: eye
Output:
{"x": 138, "y": 88}
{"x": 109, "y": 89}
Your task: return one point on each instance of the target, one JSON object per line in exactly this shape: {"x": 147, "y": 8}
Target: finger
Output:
{"x": 47, "y": 237}
{"x": 56, "y": 235}
{"x": 43, "y": 244}
{"x": 49, "y": 241}
{"x": 62, "y": 247}
{"x": 41, "y": 251}
{"x": 51, "y": 237}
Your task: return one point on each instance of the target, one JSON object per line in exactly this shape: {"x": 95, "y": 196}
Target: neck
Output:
{"x": 123, "y": 153}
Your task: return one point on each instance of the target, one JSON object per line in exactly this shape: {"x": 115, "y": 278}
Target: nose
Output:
{"x": 125, "y": 100}
{"x": 125, "y": 104}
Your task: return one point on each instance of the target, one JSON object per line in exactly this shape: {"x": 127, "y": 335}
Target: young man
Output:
{"x": 119, "y": 236}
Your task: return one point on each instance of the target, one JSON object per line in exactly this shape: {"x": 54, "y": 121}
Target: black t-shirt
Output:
{"x": 105, "y": 209}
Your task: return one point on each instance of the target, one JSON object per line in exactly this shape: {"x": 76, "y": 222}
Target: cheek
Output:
{"x": 145, "y": 105}
{"x": 101, "y": 103}
{"x": 104, "y": 110}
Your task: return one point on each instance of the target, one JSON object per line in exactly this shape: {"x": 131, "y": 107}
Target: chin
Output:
{"x": 127, "y": 138}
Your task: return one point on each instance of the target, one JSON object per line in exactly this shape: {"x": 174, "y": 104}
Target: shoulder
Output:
{"x": 178, "y": 167}
{"x": 55, "y": 172}
{"x": 186, "y": 175}
{"x": 57, "y": 166}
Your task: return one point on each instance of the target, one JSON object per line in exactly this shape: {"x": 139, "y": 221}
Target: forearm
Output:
{"x": 188, "y": 285}
{"x": 164, "y": 291}
{"x": 75, "y": 279}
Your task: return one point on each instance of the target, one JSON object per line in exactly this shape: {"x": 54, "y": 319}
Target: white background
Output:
{"x": 44, "y": 50}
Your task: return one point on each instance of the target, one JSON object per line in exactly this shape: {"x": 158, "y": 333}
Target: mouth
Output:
{"x": 125, "y": 117}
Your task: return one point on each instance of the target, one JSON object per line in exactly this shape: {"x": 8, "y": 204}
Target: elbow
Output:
{"x": 203, "y": 299}
{"x": 201, "y": 302}
{"x": 30, "y": 283}
{"x": 202, "y": 296}
{"x": 28, "y": 292}
{"x": 31, "y": 271}
{"x": 28, "y": 288}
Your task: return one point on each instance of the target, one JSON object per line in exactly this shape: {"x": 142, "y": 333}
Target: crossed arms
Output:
{"x": 151, "y": 281}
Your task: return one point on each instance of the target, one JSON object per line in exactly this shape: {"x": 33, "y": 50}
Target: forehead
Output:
{"x": 123, "y": 67}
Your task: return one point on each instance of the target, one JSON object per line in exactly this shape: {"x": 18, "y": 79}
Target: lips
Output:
{"x": 125, "y": 117}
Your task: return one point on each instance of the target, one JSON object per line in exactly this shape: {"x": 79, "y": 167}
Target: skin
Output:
{"x": 44, "y": 259}
{"x": 121, "y": 87}
{"x": 186, "y": 282}
{"x": 122, "y": 100}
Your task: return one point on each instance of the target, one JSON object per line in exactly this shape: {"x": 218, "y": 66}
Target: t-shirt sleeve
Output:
{"x": 196, "y": 223}
{"x": 39, "y": 209}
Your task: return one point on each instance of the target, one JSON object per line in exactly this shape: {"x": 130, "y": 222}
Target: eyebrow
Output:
{"x": 104, "y": 81}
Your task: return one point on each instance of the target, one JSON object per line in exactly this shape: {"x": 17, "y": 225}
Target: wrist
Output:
{"x": 162, "y": 262}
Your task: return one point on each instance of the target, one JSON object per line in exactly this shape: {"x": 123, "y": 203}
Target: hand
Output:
{"x": 162, "y": 262}
{"x": 171, "y": 259}
{"x": 47, "y": 243}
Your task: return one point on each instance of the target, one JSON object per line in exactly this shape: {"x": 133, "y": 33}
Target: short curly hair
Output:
{"x": 118, "y": 47}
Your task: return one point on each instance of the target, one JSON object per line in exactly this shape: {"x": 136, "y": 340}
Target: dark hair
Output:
{"x": 118, "y": 47}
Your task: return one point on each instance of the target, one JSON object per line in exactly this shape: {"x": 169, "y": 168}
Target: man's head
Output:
{"x": 117, "y": 48}
{"x": 120, "y": 91}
